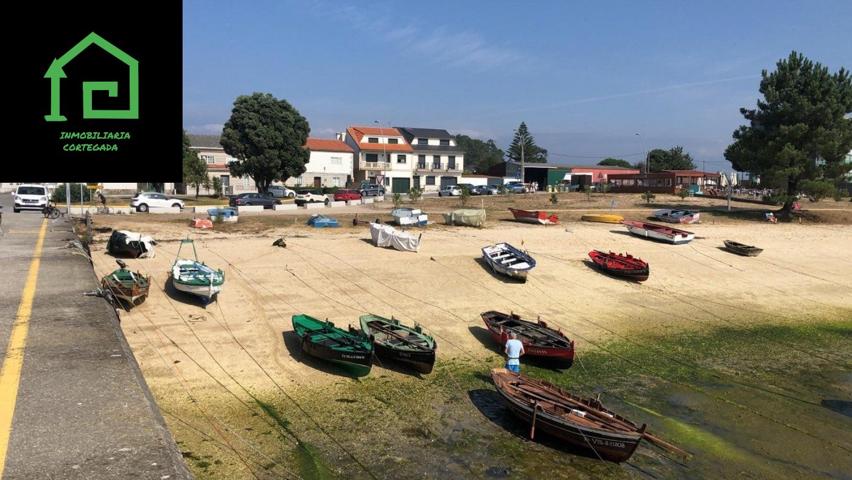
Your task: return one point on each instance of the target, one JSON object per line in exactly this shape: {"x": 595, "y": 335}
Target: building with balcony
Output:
{"x": 437, "y": 159}
{"x": 382, "y": 156}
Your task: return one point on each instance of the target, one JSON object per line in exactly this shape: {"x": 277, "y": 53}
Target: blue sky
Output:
{"x": 585, "y": 77}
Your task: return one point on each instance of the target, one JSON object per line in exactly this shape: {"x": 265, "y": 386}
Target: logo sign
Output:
{"x": 98, "y": 94}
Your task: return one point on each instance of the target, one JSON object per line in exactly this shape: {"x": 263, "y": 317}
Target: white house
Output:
{"x": 381, "y": 156}
{"x": 439, "y": 161}
{"x": 330, "y": 165}
{"x": 211, "y": 152}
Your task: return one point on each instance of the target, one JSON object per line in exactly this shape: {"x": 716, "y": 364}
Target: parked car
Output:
{"x": 30, "y": 197}
{"x": 371, "y": 190}
{"x": 450, "y": 191}
{"x": 515, "y": 187}
{"x": 345, "y": 195}
{"x": 280, "y": 191}
{"x": 308, "y": 196}
{"x": 145, "y": 201}
{"x": 486, "y": 190}
{"x": 253, "y": 199}
{"x": 470, "y": 188}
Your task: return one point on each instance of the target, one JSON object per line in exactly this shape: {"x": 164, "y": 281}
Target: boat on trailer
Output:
{"x": 195, "y": 277}
{"x": 658, "y": 232}
{"x": 677, "y": 216}
{"x": 125, "y": 286}
{"x": 621, "y": 265}
{"x": 538, "y": 338}
{"x": 508, "y": 260}
{"x": 742, "y": 249}
{"x": 349, "y": 349}
{"x": 534, "y": 216}
{"x": 400, "y": 343}
{"x": 581, "y": 422}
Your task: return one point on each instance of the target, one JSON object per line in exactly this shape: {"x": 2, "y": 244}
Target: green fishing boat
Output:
{"x": 349, "y": 349}
{"x": 194, "y": 277}
{"x": 400, "y": 343}
{"x": 125, "y": 286}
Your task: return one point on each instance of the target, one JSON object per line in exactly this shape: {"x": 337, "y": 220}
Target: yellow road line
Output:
{"x": 10, "y": 372}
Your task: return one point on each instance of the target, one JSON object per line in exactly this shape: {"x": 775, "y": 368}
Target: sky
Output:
{"x": 590, "y": 79}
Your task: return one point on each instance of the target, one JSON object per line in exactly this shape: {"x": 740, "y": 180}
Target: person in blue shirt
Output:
{"x": 514, "y": 350}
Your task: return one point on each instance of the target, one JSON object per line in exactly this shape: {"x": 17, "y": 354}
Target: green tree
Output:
{"x": 479, "y": 156}
{"x": 801, "y": 129}
{"x": 414, "y": 194}
{"x": 672, "y": 159}
{"x": 464, "y": 196}
{"x": 217, "y": 186}
{"x": 268, "y": 136}
{"x": 194, "y": 168}
{"x": 615, "y": 162}
{"x": 816, "y": 190}
{"x": 531, "y": 152}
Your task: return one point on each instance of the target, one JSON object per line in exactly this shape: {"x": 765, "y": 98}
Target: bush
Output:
{"x": 683, "y": 193}
{"x": 217, "y": 187}
{"x": 501, "y": 189}
{"x": 59, "y": 193}
{"x": 464, "y": 196}
{"x": 554, "y": 199}
{"x": 414, "y": 194}
{"x": 816, "y": 190}
{"x": 330, "y": 190}
{"x": 648, "y": 196}
{"x": 397, "y": 199}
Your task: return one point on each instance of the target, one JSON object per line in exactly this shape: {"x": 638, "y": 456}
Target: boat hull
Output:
{"x": 637, "y": 270}
{"x": 740, "y": 249}
{"x": 675, "y": 237}
{"x": 206, "y": 292}
{"x": 538, "y": 217}
{"x": 356, "y": 363}
{"x": 506, "y": 269}
{"x": 422, "y": 362}
{"x": 499, "y": 332}
{"x": 602, "y": 218}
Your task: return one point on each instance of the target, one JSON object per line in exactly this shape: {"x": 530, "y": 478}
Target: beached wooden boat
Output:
{"x": 539, "y": 340}
{"x": 602, "y": 218}
{"x": 124, "y": 243}
{"x": 508, "y": 260}
{"x": 677, "y": 216}
{"x": 581, "y": 422}
{"x": 194, "y": 277}
{"x": 130, "y": 288}
{"x": 742, "y": 249}
{"x": 349, "y": 349}
{"x": 534, "y": 216}
{"x": 658, "y": 232}
{"x": 400, "y": 343}
{"x": 621, "y": 265}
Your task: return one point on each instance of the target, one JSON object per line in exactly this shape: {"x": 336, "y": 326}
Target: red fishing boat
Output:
{"x": 658, "y": 232}
{"x": 534, "y": 216}
{"x": 621, "y": 265}
{"x": 539, "y": 340}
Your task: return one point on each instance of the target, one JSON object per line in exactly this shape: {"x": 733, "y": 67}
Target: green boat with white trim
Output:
{"x": 350, "y": 349}
{"x": 195, "y": 277}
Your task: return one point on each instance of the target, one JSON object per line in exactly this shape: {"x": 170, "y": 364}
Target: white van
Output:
{"x": 30, "y": 197}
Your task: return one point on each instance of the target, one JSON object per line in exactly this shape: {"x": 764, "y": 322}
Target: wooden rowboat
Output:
{"x": 742, "y": 249}
{"x": 400, "y": 343}
{"x": 534, "y": 216}
{"x": 321, "y": 339}
{"x": 539, "y": 340}
{"x": 658, "y": 232}
{"x": 621, "y": 265}
{"x": 130, "y": 288}
{"x": 677, "y": 216}
{"x": 581, "y": 422}
{"x": 602, "y": 218}
{"x": 508, "y": 260}
{"x": 195, "y": 277}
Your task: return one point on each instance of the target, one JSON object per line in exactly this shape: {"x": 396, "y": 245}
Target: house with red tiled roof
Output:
{"x": 382, "y": 156}
{"x": 330, "y": 165}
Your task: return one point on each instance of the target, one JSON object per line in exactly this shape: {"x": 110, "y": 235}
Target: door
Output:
{"x": 447, "y": 181}
{"x": 417, "y": 182}
{"x": 317, "y": 182}
{"x": 400, "y": 185}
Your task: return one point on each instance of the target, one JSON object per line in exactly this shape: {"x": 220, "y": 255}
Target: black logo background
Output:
{"x": 149, "y": 32}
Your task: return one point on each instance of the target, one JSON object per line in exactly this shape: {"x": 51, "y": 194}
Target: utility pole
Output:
{"x": 523, "y": 170}
{"x": 68, "y": 199}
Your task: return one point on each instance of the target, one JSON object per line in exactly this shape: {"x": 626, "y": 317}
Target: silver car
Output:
{"x": 449, "y": 191}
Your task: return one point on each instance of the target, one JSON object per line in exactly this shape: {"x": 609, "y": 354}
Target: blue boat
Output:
{"x": 508, "y": 260}
{"x": 321, "y": 221}
{"x": 226, "y": 214}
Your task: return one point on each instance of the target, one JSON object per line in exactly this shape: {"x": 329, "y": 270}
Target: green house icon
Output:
{"x": 56, "y": 74}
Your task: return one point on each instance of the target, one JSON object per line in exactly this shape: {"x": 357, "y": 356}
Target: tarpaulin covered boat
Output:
{"x": 658, "y": 232}
{"x": 406, "y": 217}
{"x": 400, "y": 343}
{"x": 387, "y": 236}
{"x": 508, "y": 260}
{"x": 677, "y": 216}
{"x": 621, "y": 265}
{"x": 194, "y": 277}
{"x": 538, "y": 338}
{"x": 201, "y": 223}
{"x": 125, "y": 286}
{"x": 582, "y": 422}
{"x": 534, "y": 216}
{"x": 124, "y": 243}
{"x": 350, "y": 349}
{"x": 322, "y": 221}
{"x": 469, "y": 217}
{"x": 223, "y": 214}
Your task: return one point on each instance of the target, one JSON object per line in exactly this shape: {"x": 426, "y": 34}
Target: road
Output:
{"x": 73, "y": 403}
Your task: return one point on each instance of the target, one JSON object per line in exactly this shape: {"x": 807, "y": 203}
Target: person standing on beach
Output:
{"x": 514, "y": 350}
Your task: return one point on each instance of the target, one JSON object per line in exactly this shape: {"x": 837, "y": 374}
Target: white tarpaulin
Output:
{"x": 466, "y": 216}
{"x": 387, "y": 236}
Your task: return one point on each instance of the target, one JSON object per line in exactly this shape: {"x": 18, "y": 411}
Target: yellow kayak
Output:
{"x": 603, "y": 218}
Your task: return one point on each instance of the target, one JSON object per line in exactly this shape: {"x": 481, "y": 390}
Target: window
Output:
{"x": 393, "y": 141}
{"x": 451, "y": 161}
{"x": 336, "y": 160}
{"x": 421, "y": 161}
{"x": 372, "y": 157}
{"x": 387, "y": 181}
{"x": 400, "y": 159}
{"x": 335, "y": 181}
{"x": 436, "y": 161}
{"x": 422, "y": 141}
{"x": 445, "y": 142}
{"x": 208, "y": 158}
{"x": 372, "y": 140}
{"x": 430, "y": 180}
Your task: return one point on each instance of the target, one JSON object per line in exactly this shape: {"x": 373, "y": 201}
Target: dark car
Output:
{"x": 253, "y": 199}
{"x": 345, "y": 195}
{"x": 371, "y": 190}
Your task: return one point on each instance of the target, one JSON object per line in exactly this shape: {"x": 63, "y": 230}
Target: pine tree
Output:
{"x": 531, "y": 152}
